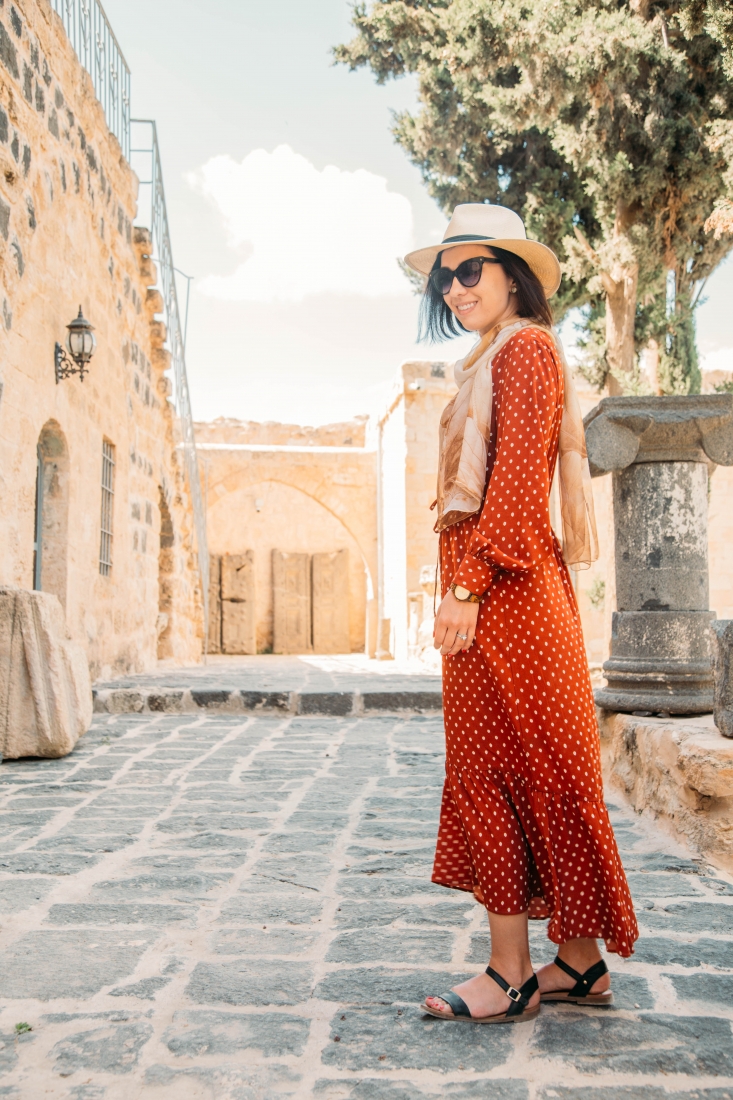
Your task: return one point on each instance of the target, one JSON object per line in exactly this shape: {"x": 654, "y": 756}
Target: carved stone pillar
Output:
{"x": 660, "y": 450}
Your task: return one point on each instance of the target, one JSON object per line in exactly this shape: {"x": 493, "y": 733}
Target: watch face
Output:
{"x": 461, "y": 593}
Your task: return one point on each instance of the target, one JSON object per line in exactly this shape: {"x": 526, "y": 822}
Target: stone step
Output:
{"x": 159, "y": 700}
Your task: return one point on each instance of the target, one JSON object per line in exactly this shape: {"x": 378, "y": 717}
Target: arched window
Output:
{"x": 50, "y": 542}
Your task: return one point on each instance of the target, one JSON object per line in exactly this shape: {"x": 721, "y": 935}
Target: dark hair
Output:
{"x": 437, "y": 322}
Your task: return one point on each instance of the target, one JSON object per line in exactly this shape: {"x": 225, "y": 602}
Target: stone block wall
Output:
{"x": 67, "y": 206}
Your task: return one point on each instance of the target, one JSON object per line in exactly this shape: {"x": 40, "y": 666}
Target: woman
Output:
{"x": 523, "y": 824}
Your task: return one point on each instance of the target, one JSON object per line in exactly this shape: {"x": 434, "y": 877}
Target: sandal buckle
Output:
{"x": 513, "y": 994}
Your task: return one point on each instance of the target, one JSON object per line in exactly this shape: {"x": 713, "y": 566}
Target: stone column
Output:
{"x": 660, "y": 450}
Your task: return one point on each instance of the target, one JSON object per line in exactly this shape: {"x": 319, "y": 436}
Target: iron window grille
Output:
{"x": 108, "y": 492}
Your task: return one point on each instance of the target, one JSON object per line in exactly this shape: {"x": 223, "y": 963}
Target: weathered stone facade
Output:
{"x": 67, "y": 206}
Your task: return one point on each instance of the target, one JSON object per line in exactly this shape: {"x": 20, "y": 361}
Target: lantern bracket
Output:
{"x": 65, "y": 365}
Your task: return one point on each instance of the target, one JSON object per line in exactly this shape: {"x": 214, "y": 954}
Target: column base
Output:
{"x": 660, "y": 662}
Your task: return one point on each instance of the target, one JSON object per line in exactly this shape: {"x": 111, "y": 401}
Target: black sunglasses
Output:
{"x": 468, "y": 274}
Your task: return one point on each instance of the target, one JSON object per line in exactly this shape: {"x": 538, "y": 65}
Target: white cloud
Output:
{"x": 306, "y": 232}
{"x": 720, "y": 359}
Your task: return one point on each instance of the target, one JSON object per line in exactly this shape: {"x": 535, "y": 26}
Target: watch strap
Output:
{"x": 470, "y": 598}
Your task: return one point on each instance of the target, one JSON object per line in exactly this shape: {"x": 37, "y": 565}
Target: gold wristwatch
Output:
{"x": 464, "y": 595}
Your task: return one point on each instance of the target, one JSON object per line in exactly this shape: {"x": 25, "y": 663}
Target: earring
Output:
{"x": 512, "y": 290}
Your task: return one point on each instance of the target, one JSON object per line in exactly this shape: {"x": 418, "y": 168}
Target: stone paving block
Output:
{"x": 662, "y": 861}
{"x": 402, "y": 700}
{"x": 50, "y": 964}
{"x": 332, "y": 703}
{"x": 315, "y": 821}
{"x": 688, "y": 917}
{"x": 258, "y": 909}
{"x": 351, "y": 914}
{"x": 113, "y": 1049}
{"x": 630, "y": 991}
{"x": 644, "y": 885}
{"x": 186, "y": 887}
{"x": 695, "y": 1046}
{"x": 375, "y": 1089}
{"x": 243, "y": 982}
{"x": 709, "y": 988}
{"x": 145, "y": 989}
{"x": 392, "y": 945}
{"x": 46, "y": 863}
{"x": 665, "y": 952}
{"x": 194, "y": 1033}
{"x": 105, "y": 842}
{"x": 225, "y": 1081}
{"x": 265, "y": 700}
{"x": 305, "y": 871}
{"x": 211, "y": 841}
{"x": 725, "y": 889}
{"x": 383, "y": 985}
{"x": 296, "y": 841}
{"x": 168, "y": 701}
{"x": 386, "y": 1038}
{"x": 17, "y": 895}
{"x": 357, "y": 885}
{"x": 262, "y": 941}
{"x": 120, "y": 914}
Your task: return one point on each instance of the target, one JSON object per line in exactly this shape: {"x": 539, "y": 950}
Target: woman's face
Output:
{"x": 491, "y": 301}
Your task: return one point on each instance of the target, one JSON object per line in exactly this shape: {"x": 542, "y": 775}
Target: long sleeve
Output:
{"x": 514, "y": 532}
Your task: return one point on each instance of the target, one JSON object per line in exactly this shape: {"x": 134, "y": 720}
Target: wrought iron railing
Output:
{"x": 152, "y": 214}
{"x": 99, "y": 51}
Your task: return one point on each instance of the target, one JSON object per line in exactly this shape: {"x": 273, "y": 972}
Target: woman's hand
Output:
{"x": 455, "y": 617}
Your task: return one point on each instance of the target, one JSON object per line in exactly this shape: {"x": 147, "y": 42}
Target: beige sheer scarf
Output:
{"x": 465, "y": 428}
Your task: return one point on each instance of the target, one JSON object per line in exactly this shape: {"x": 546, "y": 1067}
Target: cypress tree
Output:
{"x": 607, "y": 124}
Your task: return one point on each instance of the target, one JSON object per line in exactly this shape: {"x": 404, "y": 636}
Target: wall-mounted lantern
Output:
{"x": 81, "y": 343}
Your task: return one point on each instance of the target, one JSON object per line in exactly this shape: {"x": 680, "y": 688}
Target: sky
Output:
{"x": 289, "y": 203}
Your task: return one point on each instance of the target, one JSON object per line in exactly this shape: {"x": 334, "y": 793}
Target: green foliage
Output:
{"x": 414, "y": 278}
{"x": 597, "y": 594}
{"x": 724, "y": 387}
{"x": 608, "y": 125}
{"x": 22, "y": 1028}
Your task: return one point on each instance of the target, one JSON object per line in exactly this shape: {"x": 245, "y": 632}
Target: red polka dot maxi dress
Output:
{"x": 523, "y": 823}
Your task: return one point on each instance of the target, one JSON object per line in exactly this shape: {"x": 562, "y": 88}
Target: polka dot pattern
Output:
{"x": 523, "y": 822}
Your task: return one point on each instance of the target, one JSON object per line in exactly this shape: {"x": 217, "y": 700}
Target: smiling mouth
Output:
{"x": 465, "y": 307}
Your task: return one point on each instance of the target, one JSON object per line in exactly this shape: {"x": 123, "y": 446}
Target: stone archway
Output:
{"x": 271, "y": 515}
{"x": 51, "y": 535}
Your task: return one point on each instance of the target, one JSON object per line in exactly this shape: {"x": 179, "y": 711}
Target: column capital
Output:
{"x": 621, "y": 431}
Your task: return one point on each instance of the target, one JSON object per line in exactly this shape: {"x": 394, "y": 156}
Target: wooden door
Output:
{"x": 291, "y": 591}
{"x": 331, "y": 602}
{"x": 238, "y": 624}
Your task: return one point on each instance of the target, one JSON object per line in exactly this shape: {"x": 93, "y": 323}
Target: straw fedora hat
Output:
{"x": 493, "y": 226}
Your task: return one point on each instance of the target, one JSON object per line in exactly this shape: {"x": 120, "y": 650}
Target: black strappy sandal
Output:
{"x": 517, "y": 1010}
{"x": 580, "y": 993}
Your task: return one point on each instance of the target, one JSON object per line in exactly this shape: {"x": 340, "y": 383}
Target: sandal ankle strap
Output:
{"x": 520, "y": 997}
{"x": 583, "y": 982}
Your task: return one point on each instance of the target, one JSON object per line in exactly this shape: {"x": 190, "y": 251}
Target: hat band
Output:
{"x": 466, "y": 237}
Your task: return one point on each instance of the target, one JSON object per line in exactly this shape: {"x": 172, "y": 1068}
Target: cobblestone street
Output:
{"x": 240, "y": 907}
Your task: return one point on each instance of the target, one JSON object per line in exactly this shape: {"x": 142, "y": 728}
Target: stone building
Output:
{"x": 93, "y": 501}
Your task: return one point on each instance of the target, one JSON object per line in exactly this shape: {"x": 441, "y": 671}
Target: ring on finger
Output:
{"x": 463, "y": 637}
